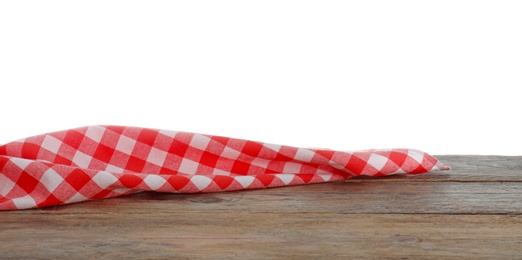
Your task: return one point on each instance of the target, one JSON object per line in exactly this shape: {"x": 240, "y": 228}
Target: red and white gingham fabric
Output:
{"x": 98, "y": 162}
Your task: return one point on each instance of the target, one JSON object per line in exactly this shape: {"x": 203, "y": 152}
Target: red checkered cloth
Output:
{"x": 99, "y": 162}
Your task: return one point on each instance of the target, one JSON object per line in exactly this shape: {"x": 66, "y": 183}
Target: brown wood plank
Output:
{"x": 473, "y": 211}
{"x": 339, "y": 197}
{"x": 260, "y": 236}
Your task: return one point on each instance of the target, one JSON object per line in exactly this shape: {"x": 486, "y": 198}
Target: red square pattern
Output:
{"x": 216, "y": 163}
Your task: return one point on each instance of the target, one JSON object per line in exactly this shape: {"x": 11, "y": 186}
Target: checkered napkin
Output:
{"x": 98, "y": 162}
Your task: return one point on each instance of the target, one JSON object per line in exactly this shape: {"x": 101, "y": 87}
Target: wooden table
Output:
{"x": 473, "y": 211}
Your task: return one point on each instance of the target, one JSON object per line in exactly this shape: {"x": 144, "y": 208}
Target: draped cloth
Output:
{"x": 97, "y": 162}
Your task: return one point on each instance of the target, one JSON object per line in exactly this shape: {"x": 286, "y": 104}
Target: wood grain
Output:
{"x": 473, "y": 211}
{"x": 262, "y": 235}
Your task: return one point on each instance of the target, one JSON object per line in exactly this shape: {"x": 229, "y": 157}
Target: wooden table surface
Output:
{"x": 473, "y": 211}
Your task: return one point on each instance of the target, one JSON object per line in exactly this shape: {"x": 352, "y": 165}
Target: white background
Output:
{"x": 440, "y": 76}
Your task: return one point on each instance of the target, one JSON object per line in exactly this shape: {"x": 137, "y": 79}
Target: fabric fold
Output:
{"x": 97, "y": 162}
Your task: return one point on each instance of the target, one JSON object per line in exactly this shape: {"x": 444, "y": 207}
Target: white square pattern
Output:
{"x": 51, "y": 144}
{"x": 377, "y": 161}
{"x": 95, "y": 133}
{"x": 416, "y": 155}
{"x": 154, "y": 182}
{"x": 104, "y": 179}
{"x": 168, "y": 133}
{"x": 24, "y": 202}
{"x": 304, "y": 155}
{"x": 200, "y": 181}
{"x": 22, "y": 163}
{"x": 245, "y": 181}
{"x": 188, "y": 166}
{"x": 81, "y": 159}
{"x": 286, "y": 178}
{"x": 291, "y": 167}
{"x": 51, "y": 179}
{"x": 200, "y": 141}
{"x": 157, "y": 156}
{"x": 230, "y": 153}
{"x": 125, "y": 144}
{"x": 114, "y": 169}
{"x": 6, "y": 185}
